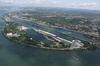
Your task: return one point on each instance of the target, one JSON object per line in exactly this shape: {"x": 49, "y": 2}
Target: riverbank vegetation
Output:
{"x": 23, "y": 38}
{"x": 12, "y": 27}
{"x": 80, "y": 21}
{"x": 87, "y": 44}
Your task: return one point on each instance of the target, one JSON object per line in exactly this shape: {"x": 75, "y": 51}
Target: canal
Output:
{"x": 13, "y": 54}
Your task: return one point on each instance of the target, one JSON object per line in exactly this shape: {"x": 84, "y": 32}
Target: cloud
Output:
{"x": 88, "y": 4}
{"x": 93, "y": 6}
{"x": 12, "y": 2}
{"x": 49, "y": 3}
{"x": 83, "y": 4}
{"x": 43, "y": 2}
{"x": 57, "y": 2}
{"x": 6, "y": 1}
{"x": 37, "y": 2}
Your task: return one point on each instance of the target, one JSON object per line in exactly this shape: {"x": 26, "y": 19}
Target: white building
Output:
{"x": 16, "y": 35}
{"x": 77, "y": 44}
{"x": 22, "y": 28}
{"x": 74, "y": 43}
{"x": 46, "y": 33}
{"x": 61, "y": 39}
{"x": 9, "y": 34}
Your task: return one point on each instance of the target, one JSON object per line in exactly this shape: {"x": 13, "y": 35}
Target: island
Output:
{"x": 83, "y": 22}
{"x": 17, "y": 33}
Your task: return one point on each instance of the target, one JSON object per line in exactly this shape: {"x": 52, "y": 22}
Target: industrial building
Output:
{"x": 74, "y": 43}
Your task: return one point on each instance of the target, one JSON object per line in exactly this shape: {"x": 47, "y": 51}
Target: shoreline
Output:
{"x": 52, "y": 26}
{"x": 46, "y": 48}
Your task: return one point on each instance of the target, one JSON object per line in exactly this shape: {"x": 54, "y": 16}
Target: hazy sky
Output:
{"x": 84, "y": 4}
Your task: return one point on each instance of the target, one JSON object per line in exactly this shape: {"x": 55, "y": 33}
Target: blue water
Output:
{"x": 35, "y": 35}
{"x": 27, "y": 23}
{"x": 58, "y": 30}
{"x": 38, "y": 36}
{"x": 13, "y": 54}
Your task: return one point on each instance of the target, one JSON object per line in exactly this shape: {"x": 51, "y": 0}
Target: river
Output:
{"x": 13, "y": 54}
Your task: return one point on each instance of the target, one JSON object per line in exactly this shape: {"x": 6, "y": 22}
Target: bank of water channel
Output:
{"x": 38, "y": 36}
{"x": 36, "y": 26}
{"x": 13, "y": 54}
